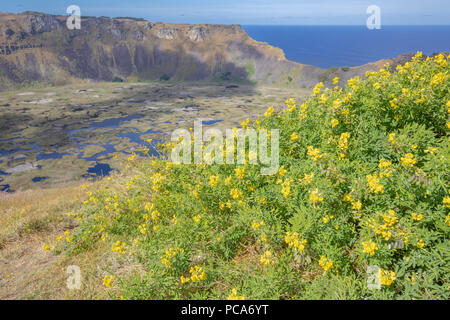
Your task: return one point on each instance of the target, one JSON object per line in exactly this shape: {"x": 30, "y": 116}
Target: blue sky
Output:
{"x": 248, "y": 12}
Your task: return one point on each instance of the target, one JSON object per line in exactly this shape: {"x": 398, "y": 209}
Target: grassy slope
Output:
{"x": 374, "y": 175}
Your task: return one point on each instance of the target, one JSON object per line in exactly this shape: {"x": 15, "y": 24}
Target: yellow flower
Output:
{"x": 314, "y": 153}
{"x": 290, "y": 104}
{"x": 240, "y": 173}
{"x": 370, "y": 247}
{"x": 357, "y": 205}
{"x": 308, "y": 178}
{"x": 386, "y": 277}
{"x": 446, "y": 201}
{"x": 293, "y": 241}
{"x": 391, "y": 138}
{"x": 256, "y": 225}
{"x": 374, "y": 184}
{"x": 170, "y": 255}
{"x": 143, "y": 229}
{"x": 343, "y": 140}
{"x": 266, "y": 258}
{"x": 156, "y": 215}
{"x": 236, "y": 193}
{"x": 437, "y": 79}
{"x": 269, "y": 112}
{"x": 119, "y": 247}
{"x": 282, "y": 171}
{"x": 336, "y": 80}
{"x": 213, "y": 180}
{"x": 447, "y": 220}
{"x": 334, "y": 123}
{"x": 107, "y": 281}
{"x": 234, "y": 296}
{"x": 316, "y": 89}
{"x": 286, "y": 188}
{"x": 197, "y": 274}
{"x": 325, "y": 263}
{"x": 294, "y": 136}
{"x": 326, "y": 219}
{"x": 416, "y": 217}
{"x": 184, "y": 280}
{"x": 420, "y": 244}
{"x": 384, "y": 163}
{"x": 408, "y": 160}
{"x": 46, "y": 247}
{"x": 315, "y": 197}
{"x": 197, "y": 218}
{"x": 228, "y": 180}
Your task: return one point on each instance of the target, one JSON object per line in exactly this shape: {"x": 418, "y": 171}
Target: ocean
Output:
{"x": 349, "y": 46}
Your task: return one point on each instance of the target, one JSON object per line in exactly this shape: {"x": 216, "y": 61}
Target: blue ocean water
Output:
{"x": 349, "y": 46}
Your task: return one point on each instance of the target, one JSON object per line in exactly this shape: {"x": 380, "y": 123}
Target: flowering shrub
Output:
{"x": 363, "y": 170}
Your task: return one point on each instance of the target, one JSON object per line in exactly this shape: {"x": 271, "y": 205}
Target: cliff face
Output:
{"x": 39, "y": 47}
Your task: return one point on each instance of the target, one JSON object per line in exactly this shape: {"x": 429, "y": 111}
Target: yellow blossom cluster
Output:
{"x": 408, "y": 160}
{"x": 197, "y": 274}
{"x": 314, "y": 153}
{"x": 286, "y": 188}
{"x": 266, "y": 258}
{"x": 315, "y": 197}
{"x": 234, "y": 295}
{"x": 170, "y": 255}
{"x": 374, "y": 184}
{"x": 107, "y": 281}
{"x": 325, "y": 263}
{"x": 386, "y": 277}
{"x": 119, "y": 247}
{"x": 293, "y": 241}
{"x": 369, "y": 247}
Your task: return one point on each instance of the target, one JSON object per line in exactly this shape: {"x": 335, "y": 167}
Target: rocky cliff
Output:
{"x": 39, "y": 47}
{"x": 36, "y": 47}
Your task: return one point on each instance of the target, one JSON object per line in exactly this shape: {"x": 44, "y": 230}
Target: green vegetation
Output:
{"x": 251, "y": 69}
{"x": 364, "y": 182}
{"x": 164, "y": 77}
{"x": 117, "y": 79}
{"x": 222, "y": 76}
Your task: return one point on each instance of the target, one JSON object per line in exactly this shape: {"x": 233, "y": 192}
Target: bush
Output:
{"x": 117, "y": 79}
{"x": 164, "y": 77}
{"x": 364, "y": 183}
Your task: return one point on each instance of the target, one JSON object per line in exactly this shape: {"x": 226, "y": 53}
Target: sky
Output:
{"x": 250, "y": 12}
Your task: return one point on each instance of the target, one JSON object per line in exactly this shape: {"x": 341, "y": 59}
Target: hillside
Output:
{"x": 359, "y": 208}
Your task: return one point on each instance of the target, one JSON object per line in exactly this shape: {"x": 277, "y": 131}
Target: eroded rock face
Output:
{"x": 116, "y": 32}
{"x": 198, "y": 34}
{"x": 42, "y": 23}
{"x": 138, "y": 35}
{"x": 167, "y": 33}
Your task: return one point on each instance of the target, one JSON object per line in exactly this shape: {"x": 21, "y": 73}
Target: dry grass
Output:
{"x": 28, "y": 219}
